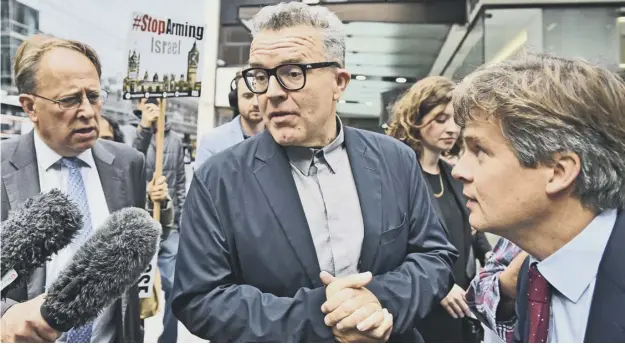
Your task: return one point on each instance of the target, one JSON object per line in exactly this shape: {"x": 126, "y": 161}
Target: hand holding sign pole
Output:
{"x": 160, "y": 145}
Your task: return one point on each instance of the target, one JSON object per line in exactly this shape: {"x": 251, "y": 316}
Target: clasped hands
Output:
{"x": 353, "y": 312}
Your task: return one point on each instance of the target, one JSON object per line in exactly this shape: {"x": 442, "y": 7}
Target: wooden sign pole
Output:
{"x": 160, "y": 145}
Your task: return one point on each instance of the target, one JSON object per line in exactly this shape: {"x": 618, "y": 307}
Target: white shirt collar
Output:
{"x": 573, "y": 267}
{"x": 47, "y": 157}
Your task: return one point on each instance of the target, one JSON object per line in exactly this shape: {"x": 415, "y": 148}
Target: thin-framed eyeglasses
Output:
{"x": 291, "y": 76}
{"x": 74, "y": 101}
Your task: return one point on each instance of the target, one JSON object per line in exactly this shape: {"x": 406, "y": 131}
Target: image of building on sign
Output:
{"x": 163, "y": 58}
{"x": 164, "y": 82}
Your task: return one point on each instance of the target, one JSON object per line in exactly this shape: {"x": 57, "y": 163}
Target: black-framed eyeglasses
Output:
{"x": 291, "y": 76}
{"x": 74, "y": 101}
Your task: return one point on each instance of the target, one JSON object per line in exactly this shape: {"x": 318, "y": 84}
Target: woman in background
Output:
{"x": 423, "y": 119}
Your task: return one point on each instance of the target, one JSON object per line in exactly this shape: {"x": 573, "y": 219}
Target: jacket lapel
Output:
{"x": 273, "y": 173}
{"x": 606, "y": 322}
{"x": 456, "y": 188}
{"x": 110, "y": 176}
{"x": 434, "y": 202}
{"x": 23, "y": 182}
{"x": 366, "y": 171}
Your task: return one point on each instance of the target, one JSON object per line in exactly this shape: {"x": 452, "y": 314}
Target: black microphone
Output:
{"x": 106, "y": 265}
{"x": 35, "y": 230}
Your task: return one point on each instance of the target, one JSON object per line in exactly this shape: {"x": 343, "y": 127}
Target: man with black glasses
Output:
{"x": 309, "y": 231}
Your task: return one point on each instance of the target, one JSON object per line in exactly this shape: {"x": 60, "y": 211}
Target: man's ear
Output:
{"x": 565, "y": 170}
{"x": 28, "y": 105}
{"x": 342, "y": 80}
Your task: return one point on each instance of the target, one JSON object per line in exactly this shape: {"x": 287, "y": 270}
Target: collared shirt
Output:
{"x": 52, "y": 175}
{"x": 572, "y": 272}
{"x": 330, "y": 200}
{"x": 483, "y": 295}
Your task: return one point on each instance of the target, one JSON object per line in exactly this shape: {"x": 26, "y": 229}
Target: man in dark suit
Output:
{"x": 309, "y": 231}
{"x": 59, "y": 82}
{"x": 545, "y": 169}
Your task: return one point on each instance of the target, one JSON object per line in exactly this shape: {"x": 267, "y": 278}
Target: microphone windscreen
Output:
{"x": 109, "y": 263}
{"x": 35, "y": 230}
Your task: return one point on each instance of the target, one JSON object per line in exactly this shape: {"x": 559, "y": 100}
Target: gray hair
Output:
{"x": 546, "y": 105}
{"x": 289, "y": 14}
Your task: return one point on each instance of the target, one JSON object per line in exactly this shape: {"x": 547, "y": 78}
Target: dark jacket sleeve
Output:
{"x": 167, "y": 215}
{"x": 481, "y": 246}
{"x": 425, "y": 276}
{"x": 143, "y": 139}
{"x": 131, "y": 331}
{"x": 181, "y": 185}
{"x": 209, "y": 300}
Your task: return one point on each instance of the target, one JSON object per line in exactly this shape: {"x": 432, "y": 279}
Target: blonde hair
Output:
{"x": 30, "y": 52}
{"x": 546, "y": 105}
{"x": 418, "y": 101}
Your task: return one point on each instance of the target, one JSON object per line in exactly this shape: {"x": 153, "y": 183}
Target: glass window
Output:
{"x": 5, "y": 9}
{"x": 596, "y": 34}
{"x": 470, "y": 55}
{"x": 510, "y": 31}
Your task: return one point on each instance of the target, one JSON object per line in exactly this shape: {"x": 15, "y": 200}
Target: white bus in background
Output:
{"x": 13, "y": 120}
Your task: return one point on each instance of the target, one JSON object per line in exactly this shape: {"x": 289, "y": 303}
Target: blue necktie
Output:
{"x": 77, "y": 192}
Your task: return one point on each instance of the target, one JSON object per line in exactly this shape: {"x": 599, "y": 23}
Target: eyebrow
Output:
{"x": 294, "y": 60}
{"x": 471, "y": 139}
{"x": 78, "y": 91}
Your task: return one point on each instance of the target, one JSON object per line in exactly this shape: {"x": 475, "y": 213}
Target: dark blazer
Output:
{"x": 247, "y": 269}
{"x": 439, "y": 326}
{"x": 477, "y": 245}
{"x": 606, "y": 323}
{"x": 122, "y": 173}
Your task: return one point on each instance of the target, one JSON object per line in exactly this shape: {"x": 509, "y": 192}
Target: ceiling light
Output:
{"x": 341, "y": 101}
{"x": 369, "y": 103}
{"x": 400, "y": 80}
{"x": 361, "y": 77}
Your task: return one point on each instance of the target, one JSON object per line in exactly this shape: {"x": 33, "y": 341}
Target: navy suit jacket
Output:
{"x": 247, "y": 269}
{"x": 606, "y": 322}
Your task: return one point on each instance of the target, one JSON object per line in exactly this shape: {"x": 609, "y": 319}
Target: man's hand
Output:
{"x": 157, "y": 189}
{"x": 508, "y": 277}
{"x": 348, "y": 302}
{"x": 354, "y": 313}
{"x": 376, "y": 328}
{"x": 455, "y": 304}
{"x": 23, "y": 323}
{"x": 149, "y": 112}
